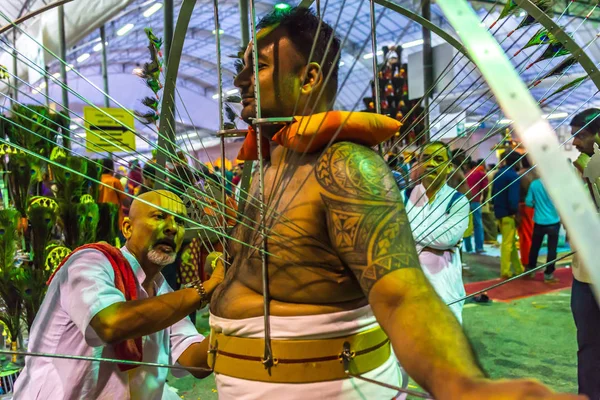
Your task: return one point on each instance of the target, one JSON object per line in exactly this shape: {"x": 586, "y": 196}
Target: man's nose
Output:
{"x": 243, "y": 79}
{"x": 170, "y": 226}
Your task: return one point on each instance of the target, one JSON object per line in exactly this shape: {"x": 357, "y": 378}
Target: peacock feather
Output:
{"x": 42, "y": 214}
{"x": 24, "y": 171}
{"x": 94, "y": 174}
{"x": 11, "y": 277}
{"x": 109, "y": 229}
{"x": 71, "y": 186}
{"x": 87, "y": 223}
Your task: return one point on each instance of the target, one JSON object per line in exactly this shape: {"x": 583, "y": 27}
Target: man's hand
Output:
{"x": 196, "y": 356}
{"x": 522, "y": 389}
{"x": 216, "y": 277}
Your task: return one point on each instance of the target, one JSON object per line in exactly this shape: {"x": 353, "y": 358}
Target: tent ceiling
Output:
{"x": 198, "y": 64}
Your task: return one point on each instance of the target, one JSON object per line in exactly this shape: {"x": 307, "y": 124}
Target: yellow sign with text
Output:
{"x": 108, "y": 129}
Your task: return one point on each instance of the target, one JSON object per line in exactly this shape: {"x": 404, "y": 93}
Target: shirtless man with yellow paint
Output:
{"x": 342, "y": 265}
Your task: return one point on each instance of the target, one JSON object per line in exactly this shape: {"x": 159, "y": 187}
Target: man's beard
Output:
{"x": 159, "y": 258}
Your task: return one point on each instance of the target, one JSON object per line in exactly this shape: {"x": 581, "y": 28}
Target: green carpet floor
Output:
{"x": 531, "y": 337}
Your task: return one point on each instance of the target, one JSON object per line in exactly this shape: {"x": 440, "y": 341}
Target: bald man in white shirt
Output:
{"x": 85, "y": 313}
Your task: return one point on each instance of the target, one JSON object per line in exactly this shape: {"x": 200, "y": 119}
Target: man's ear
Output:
{"x": 126, "y": 228}
{"x": 314, "y": 78}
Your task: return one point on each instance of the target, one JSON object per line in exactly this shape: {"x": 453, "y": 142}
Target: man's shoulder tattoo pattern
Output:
{"x": 365, "y": 214}
{"x": 350, "y": 169}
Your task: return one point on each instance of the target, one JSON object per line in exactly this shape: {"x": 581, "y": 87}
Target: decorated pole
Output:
{"x": 104, "y": 67}
{"x": 62, "y": 41}
{"x": 427, "y": 65}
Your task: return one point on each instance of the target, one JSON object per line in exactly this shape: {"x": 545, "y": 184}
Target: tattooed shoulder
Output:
{"x": 365, "y": 213}
{"x": 349, "y": 169}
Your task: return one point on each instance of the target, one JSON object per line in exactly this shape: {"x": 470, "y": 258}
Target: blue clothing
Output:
{"x": 477, "y": 229}
{"x": 544, "y": 212}
{"x": 400, "y": 180}
{"x": 505, "y": 192}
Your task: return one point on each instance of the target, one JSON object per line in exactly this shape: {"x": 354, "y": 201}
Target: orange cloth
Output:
{"x": 125, "y": 282}
{"x": 525, "y": 230}
{"x": 313, "y": 133}
{"x": 111, "y": 194}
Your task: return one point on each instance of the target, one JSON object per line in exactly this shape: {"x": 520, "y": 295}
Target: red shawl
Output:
{"x": 125, "y": 281}
{"x": 313, "y": 133}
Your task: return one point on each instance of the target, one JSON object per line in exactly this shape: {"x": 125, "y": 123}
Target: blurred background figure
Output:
{"x": 396, "y": 163}
{"x": 527, "y": 175}
{"x": 478, "y": 182}
{"x": 505, "y": 192}
{"x": 134, "y": 178}
{"x": 148, "y": 179}
{"x": 546, "y": 223}
{"x": 111, "y": 190}
{"x": 490, "y": 225}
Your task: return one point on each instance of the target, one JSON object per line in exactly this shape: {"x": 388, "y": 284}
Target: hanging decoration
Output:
{"x": 230, "y": 113}
{"x": 393, "y": 89}
{"x": 553, "y": 50}
{"x": 558, "y": 70}
{"x": 151, "y": 72}
{"x": 511, "y": 7}
{"x": 573, "y": 83}
{"x": 543, "y": 36}
{"x": 3, "y": 72}
{"x": 527, "y": 21}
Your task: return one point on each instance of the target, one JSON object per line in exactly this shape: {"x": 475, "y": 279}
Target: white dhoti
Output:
{"x": 322, "y": 326}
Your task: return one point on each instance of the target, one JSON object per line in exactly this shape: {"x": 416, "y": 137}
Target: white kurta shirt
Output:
{"x": 81, "y": 288}
{"x": 432, "y": 226}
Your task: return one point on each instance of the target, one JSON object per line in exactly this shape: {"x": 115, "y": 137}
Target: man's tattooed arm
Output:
{"x": 365, "y": 213}
{"x": 370, "y": 231}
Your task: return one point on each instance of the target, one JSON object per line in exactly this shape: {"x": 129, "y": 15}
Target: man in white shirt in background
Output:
{"x": 97, "y": 302}
{"x": 439, "y": 217}
{"x": 586, "y": 313}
